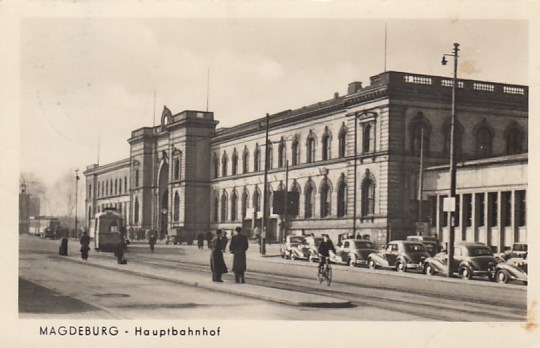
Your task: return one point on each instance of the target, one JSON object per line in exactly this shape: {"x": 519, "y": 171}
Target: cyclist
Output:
{"x": 324, "y": 250}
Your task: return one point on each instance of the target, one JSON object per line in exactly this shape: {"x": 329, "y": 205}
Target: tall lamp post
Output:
{"x": 451, "y": 206}
{"x": 76, "y": 191}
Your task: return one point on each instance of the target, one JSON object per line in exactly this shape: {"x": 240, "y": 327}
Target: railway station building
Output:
{"x": 372, "y": 162}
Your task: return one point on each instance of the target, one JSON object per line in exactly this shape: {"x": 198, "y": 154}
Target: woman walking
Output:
{"x": 217, "y": 263}
{"x": 239, "y": 245}
{"x": 85, "y": 246}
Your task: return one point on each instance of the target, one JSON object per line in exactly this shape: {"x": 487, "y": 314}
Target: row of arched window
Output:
{"x": 111, "y": 187}
{"x": 230, "y": 206}
{"x": 221, "y": 165}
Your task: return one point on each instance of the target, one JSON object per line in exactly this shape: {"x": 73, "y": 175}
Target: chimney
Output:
{"x": 336, "y": 95}
{"x": 354, "y": 87}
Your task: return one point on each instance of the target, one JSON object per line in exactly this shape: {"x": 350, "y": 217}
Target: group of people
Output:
{"x": 237, "y": 247}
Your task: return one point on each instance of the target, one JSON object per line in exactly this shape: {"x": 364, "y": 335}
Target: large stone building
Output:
{"x": 354, "y": 160}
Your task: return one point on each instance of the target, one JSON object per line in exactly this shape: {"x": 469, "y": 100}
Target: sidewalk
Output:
{"x": 202, "y": 280}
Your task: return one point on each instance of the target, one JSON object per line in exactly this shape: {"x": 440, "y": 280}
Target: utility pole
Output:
{"x": 420, "y": 178}
{"x": 355, "y": 187}
{"x": 265, "y": 191}
{"x": 76, "y": 191}
{"x": 285, "y": 203}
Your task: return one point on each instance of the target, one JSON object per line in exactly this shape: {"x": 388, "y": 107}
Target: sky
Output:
{"x": 86, "y": 81}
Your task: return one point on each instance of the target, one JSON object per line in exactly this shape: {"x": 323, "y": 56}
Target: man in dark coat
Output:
{"x": 120, "y": 249}
{"x": 200, "y": 240}
{"x": 85, "y": 246}
{"x": 217, "y": 263}
{"x": 152, "y": 242}
{"x": 324, "y": 250}
{"x": 209, "y": 237}
{"x": 239, "y": 245}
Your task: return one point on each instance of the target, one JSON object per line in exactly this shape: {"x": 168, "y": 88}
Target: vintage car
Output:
{"x": 353, "y": 252}
{"x": 307, "y": 249}
{"x": 400, "y": 255}
{"x": 470, "y": 260}
{"x": 513, "y": 269}
{"x": 291, "y": 243}
{"x": 432, "y": 244}
{"x": 518, "y": 250}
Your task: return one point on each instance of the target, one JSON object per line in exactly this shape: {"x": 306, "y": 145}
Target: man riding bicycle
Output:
{"x": 324, "y": 250}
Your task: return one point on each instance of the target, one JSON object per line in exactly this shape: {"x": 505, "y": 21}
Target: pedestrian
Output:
{"x": 120, "y": 249}
{"x": 200, "y": 240}
{"x": 209, "y": 237}
{"x": 152, "y": 242}
{"x": 238, "y": 247}
{"x": 217, "y": 263}
{"x": 64, "y": 246}
{"x": 85, "y": 246}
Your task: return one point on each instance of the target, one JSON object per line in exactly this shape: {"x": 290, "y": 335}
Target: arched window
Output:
{"x": 257, "y": 159}
{"x": 483, "y": 142}
{"x": 234, "y": 206}
{"x": 136, "y": 178}
{"x": 245, "y": 162}
{"x": 420, "y": 135}
{"x": 368, "y": 197}
{"x": 368, "y": 138}
{"x": 309, "y": 198}
{"x": 216, "y": 208}
{"x": 107, "y": 187}
{"x": 224, "y": 206}
{"x": 234, "y": 163}
{"x": 282, "y": 154}
{"x": 224, "y": 162}
{"x": 136, "y": 212}
{"x": 310, "y": 149}
{"x": 325, "y": 141}
{"x": 216, "y": 166}
{"x": 244, "y": 204}
{"x": 270, "y": 159}
{"x": 176, "y": 214}
{"x": 295, "y": 152}
{"x": 176, "y": 168}
{"x": 89, "y": 215}
{"x": 326, "y": 195}
{"x": 256, "y": 201}
{"x": 342, "y": 199}
{"x": 342, "y": 139}
{"x": 514, "y": 141}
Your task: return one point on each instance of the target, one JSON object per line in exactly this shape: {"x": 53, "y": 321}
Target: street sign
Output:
{"x": 449, "y": 204}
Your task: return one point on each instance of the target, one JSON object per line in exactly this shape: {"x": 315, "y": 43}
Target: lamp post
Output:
{"x": 451, "y": 206}
{"x": 76, "y": 191}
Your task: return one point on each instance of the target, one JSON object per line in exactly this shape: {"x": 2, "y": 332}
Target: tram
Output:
{"x": 108, "y": 229}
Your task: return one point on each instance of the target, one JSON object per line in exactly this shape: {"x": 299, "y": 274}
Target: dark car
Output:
{"x": 291, "y": 243}
{"x": 400, "y": 255}
{"x": 512, "y": 269}
{"x": 471, "y": 259}
{"x": 307, "y": 249}
{"x": 354, "y": 252}
{"x": 432, "y": 244}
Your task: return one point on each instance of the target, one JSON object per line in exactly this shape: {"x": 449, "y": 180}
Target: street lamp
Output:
{"x": 76, "y": 191}
{"x": 451, "y": 206}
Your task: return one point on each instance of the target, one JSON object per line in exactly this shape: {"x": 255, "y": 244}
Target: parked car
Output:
{"x": 291, "y": 242}
{"x": 400, "y": 255}
{"x": 519, "y": 250}
{"x": 513, "y": 269}
{"x": 432, "y": 244}
{"x": 353, "y": 252}
{"x": 471, "y": 259}
{"x": 307, "y": 249}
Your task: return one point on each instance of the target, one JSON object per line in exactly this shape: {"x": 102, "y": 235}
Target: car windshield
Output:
{"x": 364, "y": 245}
{"x": 480, "y": 251}
{"x": 415, "y": 247}
{"x": 520, "y": 247}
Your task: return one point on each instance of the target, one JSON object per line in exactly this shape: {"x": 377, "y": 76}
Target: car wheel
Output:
{"x": 400, "y": 267}
{"x": 429, "y": 270}
{"x": 466, "y": 273}
{"x": 372, "y": 264}
{"x": 502, "y": 277}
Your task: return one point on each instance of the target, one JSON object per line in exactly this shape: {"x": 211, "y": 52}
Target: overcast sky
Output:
{"x": 84, "y": 79}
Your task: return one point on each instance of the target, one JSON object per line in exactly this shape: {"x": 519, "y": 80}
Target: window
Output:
{"x": 342, "y": 199}
{"x": 176, "y": 215}
{"x": 521, "y": 212}
{"x": 115, "y": 186}
{"x": 257, "y": 160}
{"x": 368, "y": 197}
{"x": 107, "y": 187}
{"x": 433, "y": 210}
{"x": 244, "y": 204}
{"x": 493, "y": 203}
{"x": 256, "y": 201}
{"x": 136, "y": 178}
{"x": 234, "y": 163}
{"x": 224, "y": 206}
{"x": 467, "y": 210}
{"x": 270, "y": 157}
{"x": 125, "y": 184}
{"x": 444, "y": 215}
{"x": 89, "y": 215}
{"x": 514, "y": 142}
{"x": 234, "y": 206}
{"x": 90, "y": 191}
{"x": 136, "y": 213}
{"x": 325, "y": 199}
{"x": 326, "y": 147}
{"x": 216, "y": 166}
{"x": 506, "y": 202}
{"x": 483, "y": 143}
{"x": 480, "y": 209}
{"x": 282, "y": 155}
{"x": 342, "y": 139}
{"x": 245, "y": 162}
{"x": 98, "y": 189}
{"x": 309, "y": 197}
{"x": 120, "y": 186}
{"x": 224, "y": 163}
{"x": 176, "y": 168}
{"x": 368, "y": 138}
{"x": 216, "y": 208}
{"x": 310, "y": 149}
{"x": 295, "y": 153}
{"x": 420, "y": 139}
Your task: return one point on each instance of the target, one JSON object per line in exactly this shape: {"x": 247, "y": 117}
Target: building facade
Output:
{"x": 357, "y": 162}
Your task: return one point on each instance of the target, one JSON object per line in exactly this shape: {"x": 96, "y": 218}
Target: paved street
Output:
{"x": 174, "y": 282}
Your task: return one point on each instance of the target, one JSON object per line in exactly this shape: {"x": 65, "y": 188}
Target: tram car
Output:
{"x": 108, "y": 229}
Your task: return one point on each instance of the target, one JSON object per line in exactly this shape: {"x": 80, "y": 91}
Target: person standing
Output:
{"x": 120, "y": 249}
{"x": 238, "y": 247}
{"x": 152, "y": 242}
{"x": 64, "y": 246}
{"x": 209, "y": 237}
{"x": 85, "y": 246}
{"x": 217, "y": 263}
{"x": 200, "y": 240}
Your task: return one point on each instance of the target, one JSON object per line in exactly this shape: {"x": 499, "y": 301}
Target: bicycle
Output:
{"x": 324, "y": 273}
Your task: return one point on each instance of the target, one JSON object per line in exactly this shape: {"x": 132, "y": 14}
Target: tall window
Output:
{"x": 224, "y": 206}
{"x": 136, "y": 178}
{"x": 521, "y": 212}
{"x": 295, "y": 153}
{"x": 216, "y": 166}
{"x": 420, "y": 136}
{"x": 257, "y": 160}
{"x": 224, "y": 163}
{"x": 342, "y": 199}
{"x": 216, "y": 208}
{"x": 368, "y": 197}
{"x": 90, "y": 191}
{"x": 120, "y": 186}
{"x": 256, "y": 201}
{"x": 444, "y": 215}
{"x": 176, "y": 168}
{"x": 89, "y": 215}
{"x": 270, "y": 159}
{"x": 234, "y": 163}
{"x": 309, "y": 198}
{"x": 480, "y": 209}
{"x": 342, "y": 139}
{"x": 368, "y": 138}
{"x": 245, "y": 162}
{"x": 514, "y": 142}
{"x": 493, "y": 204}
{"x": 506, "y": 202}
{"x": 176, "y": 214}
{"x": 310, "y": 149}
{"x": 234, "y": 206}
{"x": 136, "y": 213}
{"x": 244, "y": 204}
{"x": 282, "y": 155}
{"x": 325, "y": 199}
{"x": 325, "y": 147}
{"x": 125, "y": 184}
{"x": 467, "y": 210}
{"x": 483, "y": 142}
{"x": 115, "y": 186}
{"x": 107, "y": 187}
